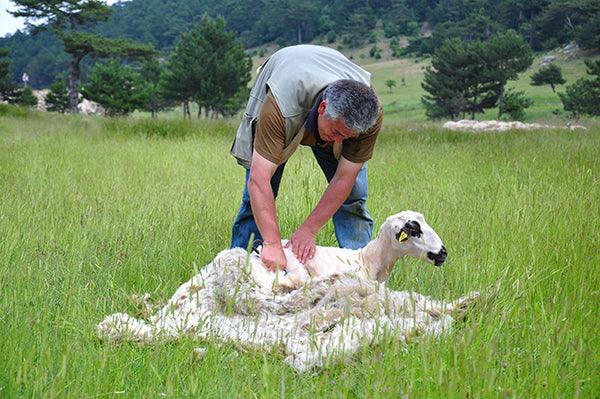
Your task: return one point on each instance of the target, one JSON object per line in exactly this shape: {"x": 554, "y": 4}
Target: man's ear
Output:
{"x": 322, "y": 106}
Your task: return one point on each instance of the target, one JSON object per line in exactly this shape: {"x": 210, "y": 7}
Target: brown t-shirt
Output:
{"x": 269, "y": 140}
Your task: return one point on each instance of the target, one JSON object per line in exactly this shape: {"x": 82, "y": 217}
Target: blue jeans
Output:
{"x": 352, "y": 222}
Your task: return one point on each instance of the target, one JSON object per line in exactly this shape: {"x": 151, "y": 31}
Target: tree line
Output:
{"x": 208, "y": 66}
{"x": 544, "y": 24}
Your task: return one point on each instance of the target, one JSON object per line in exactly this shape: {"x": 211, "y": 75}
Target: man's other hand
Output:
{"x": 272, "y": 256}
{"x": 303, "y": 244}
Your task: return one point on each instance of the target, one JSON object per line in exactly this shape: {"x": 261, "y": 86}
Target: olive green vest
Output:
{"x": 295, "y": 75}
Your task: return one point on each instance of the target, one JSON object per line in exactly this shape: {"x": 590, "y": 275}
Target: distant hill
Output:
{"x": 410, "y": 26}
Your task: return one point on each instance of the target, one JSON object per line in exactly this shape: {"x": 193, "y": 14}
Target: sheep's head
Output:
{"x": 414, "y": 237}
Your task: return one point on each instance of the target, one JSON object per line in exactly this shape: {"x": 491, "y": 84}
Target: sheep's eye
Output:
{"x": 413, "y": 228}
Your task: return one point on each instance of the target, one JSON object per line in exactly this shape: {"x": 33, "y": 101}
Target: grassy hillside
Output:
{"x": 94, "y": 210}
{"x": 404, "y": 103}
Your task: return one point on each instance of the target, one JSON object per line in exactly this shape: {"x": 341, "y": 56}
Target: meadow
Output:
{"x": 93, "y": 211}
{"x": 403, "y": 102}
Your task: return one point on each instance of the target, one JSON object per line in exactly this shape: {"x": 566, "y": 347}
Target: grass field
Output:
{"x": 94, "y": 210}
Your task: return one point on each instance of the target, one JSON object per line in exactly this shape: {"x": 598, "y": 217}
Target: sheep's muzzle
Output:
{"x": 438, "y": 258}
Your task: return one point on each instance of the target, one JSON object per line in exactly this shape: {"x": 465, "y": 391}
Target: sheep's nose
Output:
{"x": 438, "y": 258}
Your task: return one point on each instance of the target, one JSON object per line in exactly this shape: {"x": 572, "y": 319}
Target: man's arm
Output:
{"x": 263, "y": 208}
{"x": 303, "y": 240}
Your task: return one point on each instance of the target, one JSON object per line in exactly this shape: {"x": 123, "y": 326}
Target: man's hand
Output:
{"x": 272, "y": 256}
{"x": 303, "y": 240}
{"x": 303, "y": 244}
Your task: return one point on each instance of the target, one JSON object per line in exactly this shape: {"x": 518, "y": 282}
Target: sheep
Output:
{"x": 325, "y": 309}
{"x": 403, "y": 234}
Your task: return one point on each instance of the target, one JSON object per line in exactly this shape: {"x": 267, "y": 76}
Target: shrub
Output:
{"x": 119, "y": 89}
{"x": 373, "y": 37}
{"x": 375, "y": 52}
{"x": 583, "y": 96}
{"x": 515, "y": 104}
{"x": 397, "y": 51}
{"x": 548, "y": 75}
{"x": 57, "y": 99}
{"x": 14, "y": 111}
{"x": 26, "y": 97}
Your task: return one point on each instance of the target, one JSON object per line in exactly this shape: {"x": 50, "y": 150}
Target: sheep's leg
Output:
{"x": 122, "y": 327}
{"x": 457, "y": 309}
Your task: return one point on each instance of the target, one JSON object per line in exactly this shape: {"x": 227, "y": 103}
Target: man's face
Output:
{"x": 330, "y": 129}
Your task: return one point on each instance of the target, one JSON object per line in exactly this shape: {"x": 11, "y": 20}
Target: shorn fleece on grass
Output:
{"x": 323, "y": 310}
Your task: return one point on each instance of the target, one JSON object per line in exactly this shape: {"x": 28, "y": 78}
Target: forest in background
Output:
{"x": 424, "y": 24}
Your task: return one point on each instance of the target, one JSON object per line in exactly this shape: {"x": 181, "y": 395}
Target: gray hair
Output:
{"x": 354, "y": 102}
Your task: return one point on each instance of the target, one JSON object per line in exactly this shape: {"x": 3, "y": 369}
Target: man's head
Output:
{"x": 348, "y": 108}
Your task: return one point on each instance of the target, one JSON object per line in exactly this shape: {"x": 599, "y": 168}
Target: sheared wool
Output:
{"x": 326, "y": 319}
{"x": 501, "y": 126}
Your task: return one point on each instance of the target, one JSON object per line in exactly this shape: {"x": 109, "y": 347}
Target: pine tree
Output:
{"x": 505, "y": 56}
{"x": 515, "y": 104}
{"x": 208, "y": 66}
{"x": 154, "y": 99}
{"x": 390, "y": 83}
{"x": 65, "y": 19}
{"x": 119, "y": 89}
{"x": 566, "y": 20}
{"x": 57, "y": 99}
{"x": 457, "y": 81}
{"x": 7, "y": 86}
{"x": 470, "y": 76}
{"x": 548, "y": 75}
{"x": 583, "y": 96}
{"x": 25, "y": 97}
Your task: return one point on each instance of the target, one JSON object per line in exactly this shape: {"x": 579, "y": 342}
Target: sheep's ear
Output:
{"x": 413, "y": 228}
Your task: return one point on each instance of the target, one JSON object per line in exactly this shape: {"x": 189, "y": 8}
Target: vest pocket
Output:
{"x": 243, "y": 144}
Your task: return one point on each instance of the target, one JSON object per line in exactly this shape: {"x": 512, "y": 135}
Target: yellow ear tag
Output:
{"x": 403, "y": 236}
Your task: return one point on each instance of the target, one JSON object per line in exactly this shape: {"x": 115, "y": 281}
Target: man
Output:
{"x": 315, "y": 96}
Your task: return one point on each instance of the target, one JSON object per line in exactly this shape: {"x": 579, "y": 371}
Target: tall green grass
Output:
{"x": 94, "y": 210}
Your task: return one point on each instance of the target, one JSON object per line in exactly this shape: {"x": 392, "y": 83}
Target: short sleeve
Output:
{"x": 269, "y": 140}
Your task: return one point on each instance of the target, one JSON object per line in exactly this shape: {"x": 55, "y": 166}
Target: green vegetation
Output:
{"x": 467, "y": 77}
{"x": 404, "y": 106}
{"x": 515, "y": 103}
{"x": 390, "y": 83}
{"x": 154, "y": 98}
{"x": 583, "y": 96}
{"x": 548, "y": 75}
{"x": 57, "y": 99}
{"x": 9, "y": 91}
{"x": 118, "y": 88}
{"x": 25, "y": 97}
{"x": 94, "y": 210}
{"x": 422, "y": 24}
{"x": 7, "y": 87}
{"x": 209, "y": 66}
{"x": 66, "y": 19}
